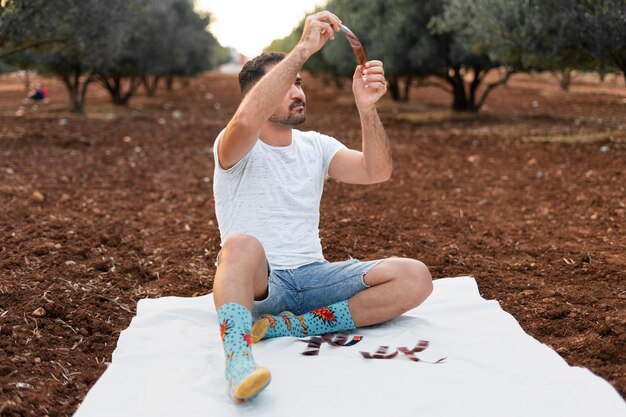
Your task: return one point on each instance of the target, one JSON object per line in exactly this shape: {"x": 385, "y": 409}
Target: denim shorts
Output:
{"x": 312, "y": 286}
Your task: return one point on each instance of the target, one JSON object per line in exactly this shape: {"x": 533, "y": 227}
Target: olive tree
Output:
{"x": 167, "y": 38}
{"x": 25, "y": 25}
{"x": 93, "y": 34}
{"x": 603, "y": 32}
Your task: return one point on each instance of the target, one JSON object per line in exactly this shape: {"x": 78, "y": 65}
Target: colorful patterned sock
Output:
{"x": 244, "y": 379}
{"x": 334, "y": 318}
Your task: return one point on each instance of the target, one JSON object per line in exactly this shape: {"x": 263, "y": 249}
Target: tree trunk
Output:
{"x": 564, "y": 76}
{"x": 407, "y": 88}
{"x": 394, "y": 88}
{"x": 602, "y": 73}
{"x": 76, "y": 92}
{"x": 170, "y": 82}
{"x": 460, "y": 95}
{"x": 83, "y": 94}
{"x": 70, "y": 93}
{"x": 26, "y": 80}
{"x": 621, "y": 64}
{"x": 339, "y": 82}
{"x": 466, "y": 99}
{"x": 473, "y": 87}
{"x": 78, "y": 105}
{"x": 151, "y": 85}
{"x": 116, "y": 91}
{"x": 460, "y": 102}
{"x": 115, "y": 86}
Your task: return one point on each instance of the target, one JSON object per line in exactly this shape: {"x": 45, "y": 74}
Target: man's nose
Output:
{"x": 296, "y": 92}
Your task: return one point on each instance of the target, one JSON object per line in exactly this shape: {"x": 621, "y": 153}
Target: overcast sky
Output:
{"x": 250, "y": 25}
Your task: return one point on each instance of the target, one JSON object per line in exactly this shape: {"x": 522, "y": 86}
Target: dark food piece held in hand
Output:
{"x": 357, "y": 48}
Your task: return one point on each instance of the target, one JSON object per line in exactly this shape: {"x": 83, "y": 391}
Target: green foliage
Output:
{"x": 287, "y": 43}
{"x": 93, "y": 33}
{"x": 24, "y": 24}
{"x": 167, "y": 38}
{"x": 400, "y": 33}
{"x": 171, "y": 39}
{"x": 117, "y": 43}
{"x": 459, "y": 41}
{"x": 316, "y": 64}
{"x": 522, "y": 34}
{"x": 551, "y": 35}
{"x": 396, "y": 32}
{"x": 5, "y": 68}
{"x": 604, "y": 32}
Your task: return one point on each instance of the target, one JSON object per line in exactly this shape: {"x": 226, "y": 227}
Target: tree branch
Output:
{"x": 491, "y": 86}
{"x": 134, "y": 84}
{"x": 33, "y": 44}
{"x": 104, "y": 81}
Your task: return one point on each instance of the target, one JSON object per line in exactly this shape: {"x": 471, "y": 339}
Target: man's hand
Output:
{"x": 318, "y": 28}
{"x": 368, "y": 84}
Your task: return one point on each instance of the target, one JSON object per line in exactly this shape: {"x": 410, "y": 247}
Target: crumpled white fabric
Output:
{"x": 170, "y": 362}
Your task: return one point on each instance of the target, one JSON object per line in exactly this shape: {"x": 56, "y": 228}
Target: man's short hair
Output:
{"x": 254, "y": 69}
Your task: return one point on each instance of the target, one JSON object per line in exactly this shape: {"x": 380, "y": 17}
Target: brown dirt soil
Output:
{"x": 99, "y": 211}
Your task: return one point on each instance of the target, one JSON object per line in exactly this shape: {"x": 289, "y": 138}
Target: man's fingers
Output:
{"x": 371, "y": 78}
{"x": 373, "y": 70}
{"x": 327, "y": 29}
{"x": 373, "y": 63}
{"x": 370, "y": 73}
{"x": 323, "y": 28}
{"x": 318, "y": 29}
{"x": 333, "y": 21}
{"x": 378, "y": 86}
{"x": 372, "y": 67}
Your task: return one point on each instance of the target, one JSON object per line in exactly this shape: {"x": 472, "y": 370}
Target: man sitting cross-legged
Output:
{"x": 268, "y": 184}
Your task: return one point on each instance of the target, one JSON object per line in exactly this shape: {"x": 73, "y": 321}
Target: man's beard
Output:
{"x": 289, "y": 118}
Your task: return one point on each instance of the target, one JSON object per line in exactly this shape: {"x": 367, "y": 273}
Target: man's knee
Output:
{"x": 238, "y": 247}
{"x": 416, "y": 282}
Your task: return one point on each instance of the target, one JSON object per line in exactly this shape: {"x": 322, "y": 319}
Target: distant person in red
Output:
{"x": 39, "y": 94}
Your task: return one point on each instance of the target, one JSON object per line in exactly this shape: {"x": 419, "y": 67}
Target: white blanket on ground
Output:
{"x": 169, "y": 362}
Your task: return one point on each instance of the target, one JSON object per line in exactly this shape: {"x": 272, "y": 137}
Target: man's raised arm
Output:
{"x": 261, "y": 101}
{"x": 373, "y": 164}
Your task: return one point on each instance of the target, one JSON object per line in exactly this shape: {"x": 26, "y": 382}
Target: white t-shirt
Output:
{"x": 274, "y": 194}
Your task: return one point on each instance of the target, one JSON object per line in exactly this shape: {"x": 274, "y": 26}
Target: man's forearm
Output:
{"x": 376, "y": 148}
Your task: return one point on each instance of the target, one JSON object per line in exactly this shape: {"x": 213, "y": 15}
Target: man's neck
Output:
{"x": 275, "y": 134}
